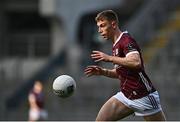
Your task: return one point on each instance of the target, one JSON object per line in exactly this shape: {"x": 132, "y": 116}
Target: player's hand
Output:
{"x": 100, "y": 56}
{"x": 93, "y": 70}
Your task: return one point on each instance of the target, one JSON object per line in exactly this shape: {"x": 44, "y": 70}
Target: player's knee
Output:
{"x": 99, "y": 118}
{"x": 102, "y": 117}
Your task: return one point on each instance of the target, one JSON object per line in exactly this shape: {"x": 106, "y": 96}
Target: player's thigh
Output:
{"x": 113, "y": 109}
{"x": 34, "y": 114}
{"x": 156, "y": 117}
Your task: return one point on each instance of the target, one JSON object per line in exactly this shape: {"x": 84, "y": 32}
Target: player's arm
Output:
{"x": 97, "y": 70}
{"x": 110, "y": 73}
{"x": 32, "y": 101}
{"x": 132, "y": 59}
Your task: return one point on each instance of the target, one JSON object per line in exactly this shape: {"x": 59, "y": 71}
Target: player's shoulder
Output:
{"x": 127, "y": 37}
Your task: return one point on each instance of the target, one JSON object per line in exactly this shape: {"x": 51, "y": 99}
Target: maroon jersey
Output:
{"x": 134, "y": 83}
{"x": 39, "y": 99}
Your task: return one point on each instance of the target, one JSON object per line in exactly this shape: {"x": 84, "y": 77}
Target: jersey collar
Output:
{"x": 117, "y": 40}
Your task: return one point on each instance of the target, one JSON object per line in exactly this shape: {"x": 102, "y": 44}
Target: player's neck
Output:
{"x": 116, "y": 35}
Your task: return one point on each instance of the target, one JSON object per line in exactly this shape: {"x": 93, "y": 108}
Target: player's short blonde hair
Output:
{"x": 109, "y": 15}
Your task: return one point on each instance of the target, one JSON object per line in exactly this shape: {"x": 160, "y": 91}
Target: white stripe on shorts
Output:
{"x": 147, "y": 105}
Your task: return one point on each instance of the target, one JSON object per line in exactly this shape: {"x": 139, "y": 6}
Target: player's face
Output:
{"x": 105, "y": 29}
{"x": 38, "y": 87}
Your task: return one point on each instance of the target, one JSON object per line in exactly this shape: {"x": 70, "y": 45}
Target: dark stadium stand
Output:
{"x": 156, "y": 26}
{"x": 22, "y": 92}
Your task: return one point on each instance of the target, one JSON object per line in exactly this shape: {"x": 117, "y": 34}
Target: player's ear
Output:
{"x": 114, "y": 24}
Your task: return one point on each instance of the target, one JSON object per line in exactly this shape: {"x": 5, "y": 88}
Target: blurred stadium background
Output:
{"x": 42, "y": 39}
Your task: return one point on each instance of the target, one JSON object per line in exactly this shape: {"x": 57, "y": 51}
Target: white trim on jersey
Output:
{"x": 132, "y": 52}
{"x": 146, "y": 83}
{"x": 117, "y": 40}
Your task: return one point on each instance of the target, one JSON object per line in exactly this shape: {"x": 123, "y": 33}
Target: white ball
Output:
{"x": 64, "y": 86}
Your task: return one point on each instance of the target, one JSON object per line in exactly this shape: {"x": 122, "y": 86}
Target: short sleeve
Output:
{"x": 129, "y": 45}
